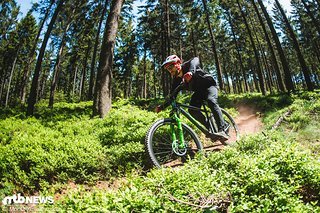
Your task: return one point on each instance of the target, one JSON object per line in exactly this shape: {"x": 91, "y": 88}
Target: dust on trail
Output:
{"x": 248, "y": 120}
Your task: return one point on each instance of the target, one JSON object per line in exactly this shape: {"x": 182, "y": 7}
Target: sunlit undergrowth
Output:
{"x": 274, "y": 171}
{"x": 64, "y": 144}
{"x": 302, "y": 121}
{"x": 261, "y": 174}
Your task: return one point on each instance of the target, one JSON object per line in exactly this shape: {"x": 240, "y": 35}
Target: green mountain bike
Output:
{"x": 169, "y": 142}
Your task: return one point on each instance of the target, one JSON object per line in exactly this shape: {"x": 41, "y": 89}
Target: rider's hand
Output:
{"x": 158, "y": 109}
{"x": 187, "y": 77}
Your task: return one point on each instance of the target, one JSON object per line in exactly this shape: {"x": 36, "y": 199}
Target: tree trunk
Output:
{"x": 285, "y": 65}
{"x": 95, "y": 49}
{"x": 163, "y": 57}
{"x": 42, "y": 83}
{"x": 255, "y": 82}
{"x": 213, "y": 44}
{"x": 25, "y": 76}
{"x": 1, "y": 89}
{"x": 238, "y": 83}
{"x": 72, "y": 64}
{"x": 168, "y": 27}
{"x": 238, "y": 51}
{"x": 268, "y": 72}
{"x": 84, "y": 73}
{"x": 130, "y": 84}
{"x": 264, "y": 62}
{"x": 74, "y": 81}
{"x": 194, "y": 46}
{"x": 228, "y": 89}
{"x": 316, "y": 23}
{"x": 144, "y": 92}
{"x": 10, "y": 78}
{"x": 315, "y": 48}
{"x": 273, "y": 55}
{"x": 168, "y": 39}
{"x": 57, "y": 66}
{"x": 103, "y": 92}
{"x": 155, "y": 79}
{"x": 304, "y": 67}
{"x": 34, "y": 87}
{"x": 256, "y": 54}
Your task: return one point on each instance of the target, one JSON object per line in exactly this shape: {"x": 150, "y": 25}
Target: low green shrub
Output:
{"x": 124, "y": 125}
{"x": 267, "y": 172}
{"x": 63, "y": 144}
{"x": 34, "y": 156}
{"x": 264, "y": 104}
{"x": 273, "y": 178}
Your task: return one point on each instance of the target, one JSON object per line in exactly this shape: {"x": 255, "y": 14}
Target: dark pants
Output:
{"x": 209, "y": 94}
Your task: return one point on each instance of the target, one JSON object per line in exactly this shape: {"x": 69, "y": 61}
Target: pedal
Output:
{"x": 212, "y": 136}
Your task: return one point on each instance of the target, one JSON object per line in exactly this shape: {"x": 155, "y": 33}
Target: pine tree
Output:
{"x": 304, "y": 67}
{"x": 34, "y": 87}
{"x": 103, "y": 92}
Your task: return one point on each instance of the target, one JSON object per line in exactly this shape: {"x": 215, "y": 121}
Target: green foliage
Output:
{"x": 302, "y": 123}
{"x": 269, "y": 172}
{"x": 125, "y": 125}
{"x": 34, "y": 155}
{"x": 278, "y": 176}
{"x": 257, "y": 101}
{"x": 274, "y": 171}
{"x": 64, "y": 144}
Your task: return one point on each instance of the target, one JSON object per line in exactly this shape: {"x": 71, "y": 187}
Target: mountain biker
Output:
{"x": 203, "y": 85}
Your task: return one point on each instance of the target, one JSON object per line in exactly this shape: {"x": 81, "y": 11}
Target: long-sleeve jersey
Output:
{"x": 199, "y": 81}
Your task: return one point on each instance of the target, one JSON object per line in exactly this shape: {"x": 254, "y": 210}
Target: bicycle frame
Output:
{"x": 175, "y": 115}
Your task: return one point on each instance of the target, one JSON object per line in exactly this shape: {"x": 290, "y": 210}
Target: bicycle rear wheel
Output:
{"x": 232, "y": 129}
{"x": 159, "y": 144}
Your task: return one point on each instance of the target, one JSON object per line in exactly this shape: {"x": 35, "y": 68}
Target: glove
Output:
{"x": 158, "y": 109}
{"x": 187, "y": 77}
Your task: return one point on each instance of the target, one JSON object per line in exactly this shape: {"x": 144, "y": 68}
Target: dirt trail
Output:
{"x": 248, "y": 120}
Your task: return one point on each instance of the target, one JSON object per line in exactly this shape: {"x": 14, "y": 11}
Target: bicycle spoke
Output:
{"x": 160, "y": 153}
{"x": 163, "y": 144}
{"x": 163, "y": 137}
{"x": 166, "y": 159}
{"x": 164, "y": 148}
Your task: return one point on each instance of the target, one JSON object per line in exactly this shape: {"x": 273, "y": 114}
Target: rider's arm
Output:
{"x": 191, "y": 66}
{"x": 179, "y": 85}
{"x": 194, "y": 63}
{"x": 177, "y": 89}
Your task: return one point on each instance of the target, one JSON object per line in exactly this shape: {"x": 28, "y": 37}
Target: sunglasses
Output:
{"x": 171, "y": 68}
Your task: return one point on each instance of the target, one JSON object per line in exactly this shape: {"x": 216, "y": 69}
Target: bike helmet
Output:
{"x": 172, "y": 59}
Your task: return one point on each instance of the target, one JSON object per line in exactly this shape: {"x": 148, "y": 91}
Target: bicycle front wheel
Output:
{"x": 159, "y": 144}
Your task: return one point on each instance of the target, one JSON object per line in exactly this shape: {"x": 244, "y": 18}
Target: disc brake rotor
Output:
{"x": 177, "y": 150}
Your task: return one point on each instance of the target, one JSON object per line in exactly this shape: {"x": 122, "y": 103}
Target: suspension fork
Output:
{"x": 181, "y": 142}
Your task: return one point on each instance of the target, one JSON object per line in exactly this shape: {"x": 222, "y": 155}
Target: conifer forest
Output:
{"x": 103, "y": 50}
{"x": 84, "y": 125}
